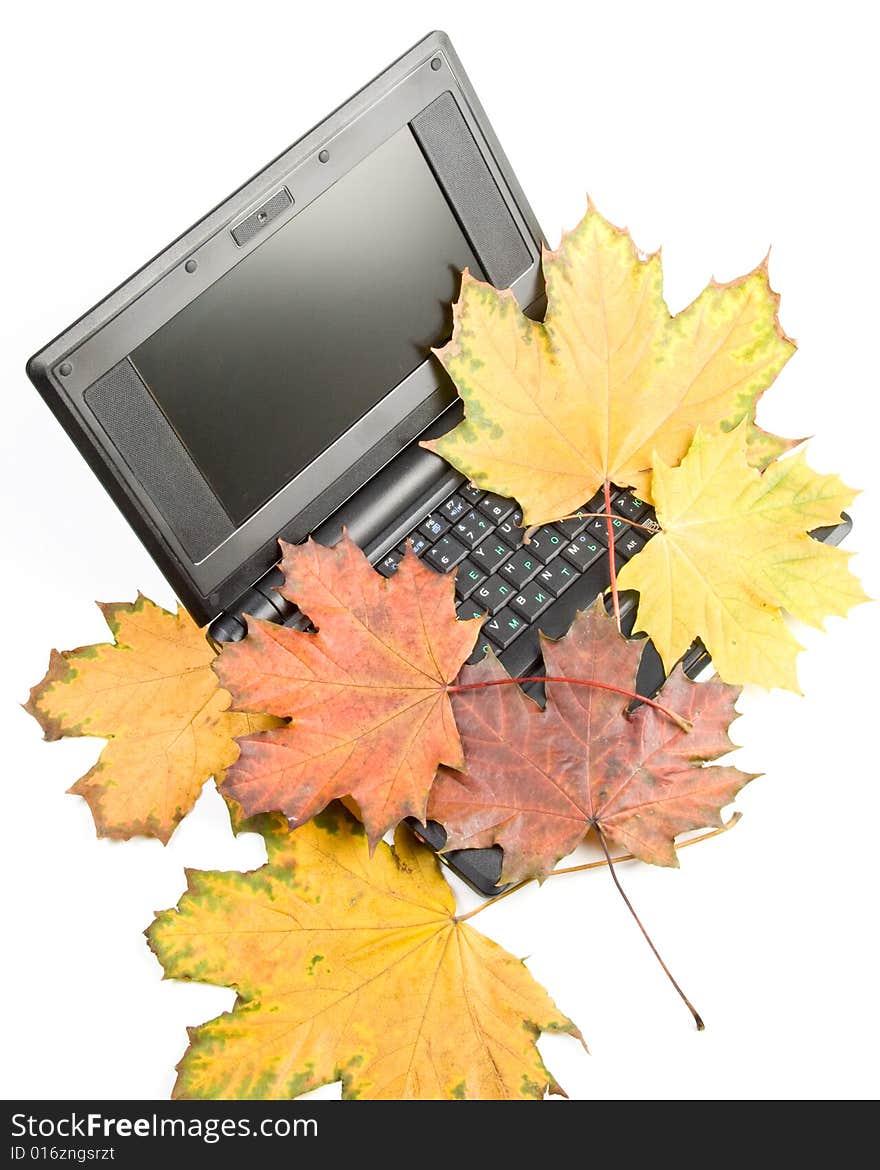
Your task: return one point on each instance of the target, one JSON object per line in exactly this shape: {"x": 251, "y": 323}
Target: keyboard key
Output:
{"x": 483, "y": 644}
{"x": 511, "y": 531}
{"x": 532, "y": 601}
{"x": 557, "y": 619}
{"x": 546, "y": 543}
{"x": 598, "y": 529}
{"x": 504, "y": 628}
{"x": 388, "y": 565}
{"x": 434, "y": 526}
{"x": 493, "y": 594}
{"x": 471, "y": 493}
{"x": 497, "y": 508}
{"x": 419, "y": 543}
{"x": 628, "y": 546}
{"x": 557, "y": 576}
{"x": 524, "y": 653}
{"x": 571, "y": 528}
{"x": 468, "y": 577}
{"x": 490, "y": 554}
{"x": 583, "y": 551}
{"x": 446, "y": 554}
{"x": 630, "y": 506}
{"x": 521, "y": 567}
{"x": 467, "y": 611}
{"x": 454, "y": 508}
{"x": 471, "y": 530}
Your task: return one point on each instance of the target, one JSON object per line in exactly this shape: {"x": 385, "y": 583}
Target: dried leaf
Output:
{"x": 353, "y": 968}
{"x": 554, "y": 409}
{"x": 366, "y": 693}
{"x": 153, "y": 695}
{"x": 536, "y": 781}
{"x": 734, "y": 553}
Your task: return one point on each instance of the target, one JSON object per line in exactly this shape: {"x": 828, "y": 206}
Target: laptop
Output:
{"x": 268, "y": 375}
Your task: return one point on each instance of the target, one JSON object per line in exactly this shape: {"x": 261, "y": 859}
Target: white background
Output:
{"x": 714, "y": 129}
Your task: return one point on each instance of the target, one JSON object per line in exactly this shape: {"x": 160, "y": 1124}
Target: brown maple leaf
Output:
{"x": 366, "y": 694}
{"x": 536, "y": 781}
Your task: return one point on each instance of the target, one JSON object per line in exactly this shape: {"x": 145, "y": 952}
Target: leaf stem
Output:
{"x": 603, "y": 516}
{"x": 734, "y": 820}
{"x": 612, "y": 568}
{"x": 514, "y": 889}
{"x": 684, "y": 724}
{"x": 697, "y": 1018}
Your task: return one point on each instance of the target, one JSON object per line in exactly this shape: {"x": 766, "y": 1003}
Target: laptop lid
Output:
{"x": 248, "y": 380}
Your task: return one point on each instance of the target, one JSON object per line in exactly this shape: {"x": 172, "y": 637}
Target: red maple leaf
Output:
{"x": 536, "y": 781}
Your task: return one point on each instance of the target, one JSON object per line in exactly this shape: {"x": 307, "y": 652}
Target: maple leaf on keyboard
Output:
{"x": 366, "y": 693}
{"x": 536, "y": 781}
{"x": 556, "y": 408}
{"x": 734, "y": 554}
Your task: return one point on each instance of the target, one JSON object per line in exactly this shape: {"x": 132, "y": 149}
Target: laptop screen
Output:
{"x": 272, "y": 363}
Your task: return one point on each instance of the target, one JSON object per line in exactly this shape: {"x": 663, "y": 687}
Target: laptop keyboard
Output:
{"x": 519, "y": 587}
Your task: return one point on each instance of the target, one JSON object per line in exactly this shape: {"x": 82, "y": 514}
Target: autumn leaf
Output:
{"x": 536, "y": 781}
{"x": 153, "y": 696}
{"x": 366, "y": 693}
{"x": 555, "y": 409}
{"x": 734, "y": 554}
{"x": 353, "y": 968}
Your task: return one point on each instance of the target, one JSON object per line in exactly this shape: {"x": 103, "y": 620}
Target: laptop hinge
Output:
{"x": 377, "y": 517}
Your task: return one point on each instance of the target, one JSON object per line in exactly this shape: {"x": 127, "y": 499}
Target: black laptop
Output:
{"x": 268, "y": 375}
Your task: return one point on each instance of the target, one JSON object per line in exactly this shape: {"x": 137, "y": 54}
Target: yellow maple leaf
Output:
{"x": 153, "y": 695}
{"x": 351, "y": 968}
{"x": 554, "y": 409}
{"x": 734, "y": 554}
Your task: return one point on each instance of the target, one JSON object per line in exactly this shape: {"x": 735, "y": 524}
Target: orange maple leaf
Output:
{"x": 366, "y": 694}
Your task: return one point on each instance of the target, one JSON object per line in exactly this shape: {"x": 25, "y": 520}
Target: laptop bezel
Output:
{"x": 72, "y": 363}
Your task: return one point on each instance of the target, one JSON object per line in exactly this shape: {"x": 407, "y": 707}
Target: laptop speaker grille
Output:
{"x": 468, "y": 184}
{"x": 158, "y": 460}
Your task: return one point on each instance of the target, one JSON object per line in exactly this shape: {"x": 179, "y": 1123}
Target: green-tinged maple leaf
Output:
{"x": 554, "y": 409}
{"x": 734, "y": 554}
{"x": 354, "y": 968}
{"x": 153, "y": 696}
{"x": 536, "y": 781}
{"x": 366, "y": 694}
